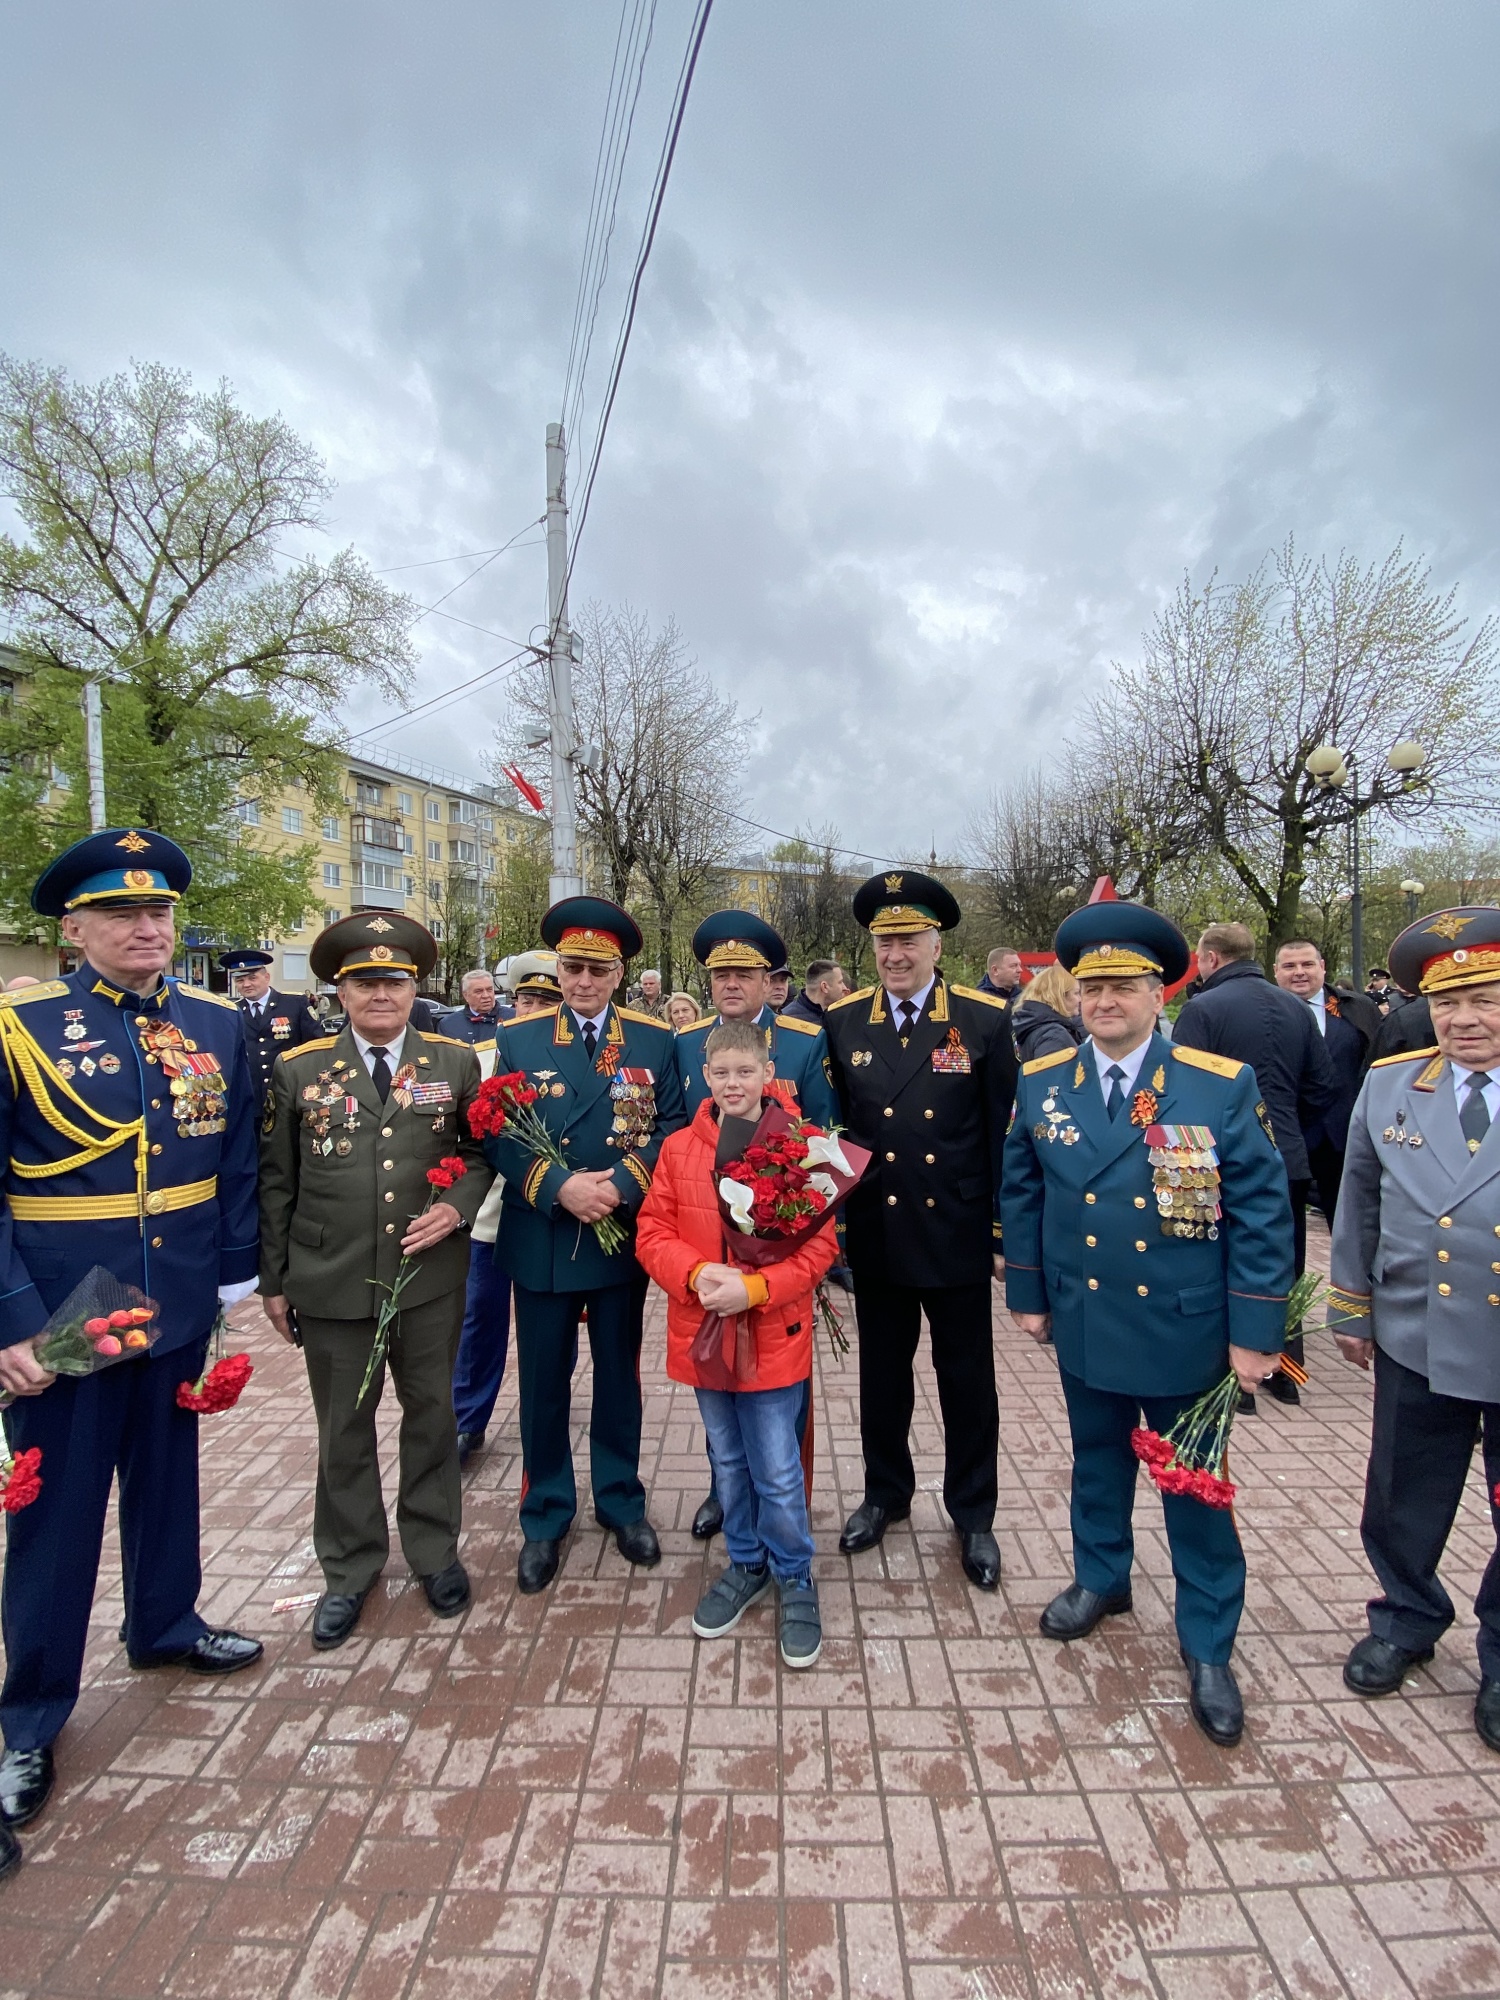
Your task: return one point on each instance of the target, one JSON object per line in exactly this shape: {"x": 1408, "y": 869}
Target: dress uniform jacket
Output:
{"x": 1416, "y": 1242}
{"x": 799, "y": 1050}
{"x": 540, "y": 1244}
{"x": 342, "y": 1174}
{"x": 924, "y": 1212}
{"x": 1135, "y": 1311}
{"x": 283, "y": 1021}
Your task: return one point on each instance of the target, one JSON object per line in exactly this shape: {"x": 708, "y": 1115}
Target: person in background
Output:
{"x": 484, "y": 1340}
{"x": 1413, "y": 1290}
{"x": 825, "y": 983}
{"x": 649, "y": 1000}
{"x": 1003, "y": 973}
{"x": 680, "y": 1011}
{"x": 1378, "y": 986}
{"x": 481, "y": 1013}
{"x": 1407, "y": 1026}
{"x": 1349, "y": 1024}
{"x": 271, "y": 1021}
{"x": 1240, "y": 1013}
{"x": 1044, "y": 1016}
{"x": 779, "y": 987}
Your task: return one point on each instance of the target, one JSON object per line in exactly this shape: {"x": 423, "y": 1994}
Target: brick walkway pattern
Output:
{"x": 569, "y": 1796}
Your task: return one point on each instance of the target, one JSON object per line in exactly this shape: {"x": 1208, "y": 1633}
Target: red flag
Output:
{"x": 1104, "y": 891}
{"x": 525, "y": 787}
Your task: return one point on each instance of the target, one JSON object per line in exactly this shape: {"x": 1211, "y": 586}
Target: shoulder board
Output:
{"x": 202, "y": 993}
{"x": 1204, "y": 1059}
{"x": 798, "y": 1027}
{"x": 1046, "y": 1062}
{"x": 451, "y": 1041}
{"x": 694, "y": 1027}
{"x": 306, "y": 1048}
{"x": 1380, "y": 1062}
{"x": 849, "y": 999}
{"x": 984, "y": 999}
{"x": 51, "y": 989}
{"x": 644, "y": 1020}
{"x": 477, "y": 1047}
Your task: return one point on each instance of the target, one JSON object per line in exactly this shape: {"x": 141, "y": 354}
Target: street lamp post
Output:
{"x": 1411, "y": 889}
{"x": 1330, "y": 770}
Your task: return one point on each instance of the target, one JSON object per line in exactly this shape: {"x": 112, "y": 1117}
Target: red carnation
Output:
{"x": 219, "y": 1389}
{"x": 1150, "y": 1447}
{"x": 22, "y": 1479}
{"x": 446, "y": 1172}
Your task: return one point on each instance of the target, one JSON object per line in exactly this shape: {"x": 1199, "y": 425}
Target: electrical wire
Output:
{"x": 446, "y": 695}
{"x": 493, "y": 556}
{"x": 468, "y": 555}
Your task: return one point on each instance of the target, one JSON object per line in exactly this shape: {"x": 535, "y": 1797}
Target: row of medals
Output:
{"x": 635, "y": 1114}
{"x": 1186, "y": 1185}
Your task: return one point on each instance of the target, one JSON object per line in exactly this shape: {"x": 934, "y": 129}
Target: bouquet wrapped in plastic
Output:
{"x": 101, "y": 1321}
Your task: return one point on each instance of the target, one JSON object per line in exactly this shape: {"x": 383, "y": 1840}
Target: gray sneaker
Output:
{"x": 801, "y": 1625}
{"x": 723, "y": 1606}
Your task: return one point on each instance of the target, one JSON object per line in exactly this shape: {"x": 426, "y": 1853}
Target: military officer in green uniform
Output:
{"x": 355, "y": 1123}
{"x": 1148, "y": 1233}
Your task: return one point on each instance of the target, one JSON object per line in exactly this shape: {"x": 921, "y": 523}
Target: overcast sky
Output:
{"x": 969, "y": 327}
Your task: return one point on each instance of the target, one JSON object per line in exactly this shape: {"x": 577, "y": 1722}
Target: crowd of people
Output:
{"x": 411, "y": 1194}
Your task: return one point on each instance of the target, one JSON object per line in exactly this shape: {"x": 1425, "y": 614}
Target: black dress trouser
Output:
{"x": 1420, "y": 1450}
{"x": 963, "y": 1355}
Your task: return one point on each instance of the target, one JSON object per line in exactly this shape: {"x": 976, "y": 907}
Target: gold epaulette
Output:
{"x": 203, "y": 993}
{"x": 646, "y": 1020}
{"x": 973, "y": 993}
{"x": 849, "y": 999}
{"x": 1047, "y": 1062}
{"x": 306, "y": 1048}
{"x": 1409, "y": 1055}
{"x": 797, "y": 1026}
{"x": 453, "y": 1041}
{"x": 479, "y": 1047}
{"x": 1205, "y": 1059}
{"x": 51, "y": 989}
{"x": 706, "y": 1021}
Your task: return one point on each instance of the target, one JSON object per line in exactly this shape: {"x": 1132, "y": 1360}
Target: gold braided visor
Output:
{"x": 1478, "y": 965}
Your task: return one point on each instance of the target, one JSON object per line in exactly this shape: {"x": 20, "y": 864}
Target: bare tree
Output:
{"x": 810, "y": 900}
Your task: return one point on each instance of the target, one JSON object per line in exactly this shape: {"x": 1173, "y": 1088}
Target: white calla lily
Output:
{"x": 825, "y": 1184}
{"x": 825, "y": 1151}
{"x": 737, "y": 1199}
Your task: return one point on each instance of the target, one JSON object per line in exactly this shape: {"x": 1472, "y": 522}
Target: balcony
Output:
{"x": 366, "y": 830}
{"x": 376, "y": 899}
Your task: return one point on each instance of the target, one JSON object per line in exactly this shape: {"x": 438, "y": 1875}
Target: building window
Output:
{"x": 434, "y": 808}
{"x": 367, "y": 792}
{"x": 411, "y": 845}
{"x": 294, "y": 967}
{"x": 411, "y": 887}
{"x": 403, "y": 802}
{"x": 462, "y": 850}
{"x": 489, "y": 864}
{"x": 436, "y": 927}
{"x": 332, "y": 875}
{"x": 291, "y": 819}
{"x": 331, "y": 827}
{"x": 376, "y": 875}
{"x": 331, "y": 916}
{"x": 247, "y": 812}
{"x": 434, "y": 850}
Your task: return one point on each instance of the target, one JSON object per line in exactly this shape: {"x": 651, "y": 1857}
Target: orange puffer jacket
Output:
{"x": 680, "y": 1227}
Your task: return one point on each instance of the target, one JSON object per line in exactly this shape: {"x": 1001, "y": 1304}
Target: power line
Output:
{"x": 494, "y": 554}
{"x": 444, "y": 697}
{"x": 465, "y": 555}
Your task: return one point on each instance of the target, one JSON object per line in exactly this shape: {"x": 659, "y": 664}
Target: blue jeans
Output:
{"x": 757, "y": 1462}
{"x": 483, "y": 1343}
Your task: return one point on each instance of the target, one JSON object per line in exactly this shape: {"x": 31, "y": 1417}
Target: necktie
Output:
{"x": 1474, "y": 1113}
{"x": 1114, "y": 1104}
{"x": 590, "y": 1040}
{"x": 380, "y": 1073}
{"x": 908, "y": 1020}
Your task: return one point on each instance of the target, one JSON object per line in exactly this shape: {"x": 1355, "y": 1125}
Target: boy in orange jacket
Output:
{"x": 751, "y": 1423}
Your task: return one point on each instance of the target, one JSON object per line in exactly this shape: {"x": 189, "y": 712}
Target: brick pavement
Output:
{"x": 569, "y": 1796}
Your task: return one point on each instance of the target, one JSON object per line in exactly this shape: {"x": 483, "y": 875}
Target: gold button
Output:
{"x": 390, "y": 1229}
{"x": 155, "y": 1203}
{"x": 1139, "y": 1244}
{"x": 391, "y": 1194}
{"x": 388, "y": 1164}
{"x": 1495, "y": 1298}
{"x": 1446, "y": 1222}
{"x": 890, "y": 1201}
{"x": 928, "y": 1114}
{"x": 890, "y": 1156}
{"x": 1140, "y": 1201}
{"x": 891, "y": 1114}
{"x": 1090, "y": 1199}
{"x": 151, "y": 1059}
{"x": 1144, "y": 1290}
{"x": 1444, "y": 1291}
{"x": 1091, "y": 1241}
{"x": 156, "y": 1149}
{"x": 1442, "y": 1256}
{"x": 1495, "y": 1267}
{"x": 156, "y": 1104}
{"x": 156, "y": 1245}
{"x": 1093, "y": 1284}
{"x": 930, "y": 1202}
{"x": 385, "y": 1131}
{"x": 931, "y": 1159}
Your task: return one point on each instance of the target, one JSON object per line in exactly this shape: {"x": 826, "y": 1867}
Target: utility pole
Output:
{"x": 93, "y": 736}
{"x": 566, "y": 879}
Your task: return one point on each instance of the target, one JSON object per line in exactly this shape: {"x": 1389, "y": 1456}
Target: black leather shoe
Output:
{"x": 217, "y": 1652}
{"x": 536, "y": 1566}
{"x": 1246, "y": 1405}
{"x": 637, "y": 1542}
{"x": 866, "y": 1526}
{"x": 979, "y": 1553}
{"x": 1074, "y": 1612}
{"x": 709, "y": 1520}
{"x": 1487, "y": 1713}
{"x": 335, "y": 1618}
{"x": 25, "y": 1784}
{"x": 1214, "y": 1698}
{"x": 1377, "y": 1666}
{"x": 468, "y": 1442}
{"x": 10, "y": 1852}
{"x": 448, "y": 1592}
{"x": 1283, "y": 1388}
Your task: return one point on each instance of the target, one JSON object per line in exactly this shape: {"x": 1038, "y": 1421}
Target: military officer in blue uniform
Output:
{"x": 608, "y": 1092}
{"x": 1152, "y": 1280}
{"x": 271, "y": 1021}
{"x": 128, "y": 1127}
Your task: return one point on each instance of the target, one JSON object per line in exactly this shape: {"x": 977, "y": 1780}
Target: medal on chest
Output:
{"x": 1185, "y": 1180}
{"x": 200, "y": 1095}
{"x": 281, "y": 1027}
{"x": 324, "y": 1100}
{"x": 951, "y": 1058}
{"x": 633, "y": 1097}
{"x": 1055, "y": 1125}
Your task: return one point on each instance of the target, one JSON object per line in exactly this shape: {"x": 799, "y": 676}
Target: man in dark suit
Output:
{"x": 1238, "y": 1012}
{"x": 270, "y": 1021}
{"x": 925, "y": 1074}
{"x": 1407, "y": 1026}
{"x": 482, "y": 1010}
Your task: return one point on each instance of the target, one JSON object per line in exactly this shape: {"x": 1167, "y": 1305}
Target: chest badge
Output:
{"x": 859, "y": 1057}
{"x": 951, "y": 1058}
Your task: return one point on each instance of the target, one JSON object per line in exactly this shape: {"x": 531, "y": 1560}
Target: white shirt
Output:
{"x": 1131, "y": 1065}
{"x": 1491, "y": 1092}
{"x": 916, "y": 1001}
{"x": 392, "y": 1050}
{"x": 1319, "y": 1003}
{"x": 595, "y": 1021}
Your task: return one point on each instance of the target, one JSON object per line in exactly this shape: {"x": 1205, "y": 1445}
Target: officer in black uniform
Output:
{"x": 925, "y": 1074}
{"x": 271, "y": 1021}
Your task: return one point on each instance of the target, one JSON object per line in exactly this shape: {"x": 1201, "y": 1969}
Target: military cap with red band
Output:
{"x": 590, "y": 927}
{"x": 1448, "y": 949}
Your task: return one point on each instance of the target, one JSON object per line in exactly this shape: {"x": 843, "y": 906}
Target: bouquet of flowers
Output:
{"x": 439, "y": 1179}
{"x": 20, "y": 1479}
{"x": 220, "y": 1385}
{"x": 101, "y": 1321}
{"x": 1193, "y": 1457}
{"x": 790, "y": 1179}
{"x": 504, "y": 1104}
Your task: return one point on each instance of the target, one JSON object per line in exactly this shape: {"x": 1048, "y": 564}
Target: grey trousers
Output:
{"x": 350, "y": 1531}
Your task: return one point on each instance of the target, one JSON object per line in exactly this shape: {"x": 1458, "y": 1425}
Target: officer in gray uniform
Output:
{"x": 1416, "y": 1252}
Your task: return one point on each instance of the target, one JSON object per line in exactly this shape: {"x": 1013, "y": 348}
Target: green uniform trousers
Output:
{"x": 350, "y": 1532}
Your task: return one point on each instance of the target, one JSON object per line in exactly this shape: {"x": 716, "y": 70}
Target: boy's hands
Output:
{"x": 722, "y": 1289}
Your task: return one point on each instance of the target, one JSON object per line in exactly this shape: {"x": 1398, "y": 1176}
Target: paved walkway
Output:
{"x": 569, "y": 1796}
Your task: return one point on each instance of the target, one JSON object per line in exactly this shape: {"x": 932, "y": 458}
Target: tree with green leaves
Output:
{"x": 152, "y": 563}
